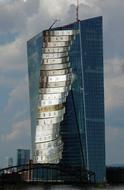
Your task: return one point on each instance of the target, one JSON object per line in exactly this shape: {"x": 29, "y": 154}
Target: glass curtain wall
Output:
{"x": 83, "y": 128}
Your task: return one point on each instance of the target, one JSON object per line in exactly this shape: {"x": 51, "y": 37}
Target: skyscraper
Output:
{"x": 66, "y": 83}
{"x": 23, "y": 156}
{"x": 10, "y": 162}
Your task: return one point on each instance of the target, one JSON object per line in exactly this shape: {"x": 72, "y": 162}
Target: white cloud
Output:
{"x": 114, "y": 104}
{"x": 13, "y": 57}
{"x": 6, "y": 81}
{"x": 54, "y": 7}
{"x": 19, "y": 130}
{"x": 18, "y": 96}
{"x": 114, "y": 85}
{"x": 18, "y": 136}
{"x": 114, "y": 148}
{"x": 21, "y": 113}
{"x": 14, "y": 15}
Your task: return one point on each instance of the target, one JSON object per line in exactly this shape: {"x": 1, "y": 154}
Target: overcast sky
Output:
{"x": 19, "y": 21}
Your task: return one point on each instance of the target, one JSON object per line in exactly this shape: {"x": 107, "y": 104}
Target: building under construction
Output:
{"x": 66, "y": 85}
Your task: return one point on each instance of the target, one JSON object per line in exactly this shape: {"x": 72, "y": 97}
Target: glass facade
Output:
{"x": 23, "y": 156}
{"x": 82, "y": 128}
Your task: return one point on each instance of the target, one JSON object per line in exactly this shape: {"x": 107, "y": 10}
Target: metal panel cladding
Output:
{"x": 54, "y": 85}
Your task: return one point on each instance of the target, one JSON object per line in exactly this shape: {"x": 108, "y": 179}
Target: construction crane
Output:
{"x": 53, "y": 24}
{"x": 77, "y": 11}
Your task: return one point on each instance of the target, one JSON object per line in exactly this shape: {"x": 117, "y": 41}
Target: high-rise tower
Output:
{"x": 66, "y": 82}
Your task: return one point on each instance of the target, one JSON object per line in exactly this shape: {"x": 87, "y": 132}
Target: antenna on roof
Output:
{"x": 77, "y": 11}
{"x": 53, "y": 24}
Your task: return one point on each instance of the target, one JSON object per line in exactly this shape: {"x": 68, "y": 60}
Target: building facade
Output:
{"x": 23, "y": 156}
{"x": 10, "y": 162}
{"x": 68, "y": 58}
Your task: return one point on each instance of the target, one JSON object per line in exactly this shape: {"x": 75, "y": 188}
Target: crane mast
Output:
{"x": 77, "y": 11}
